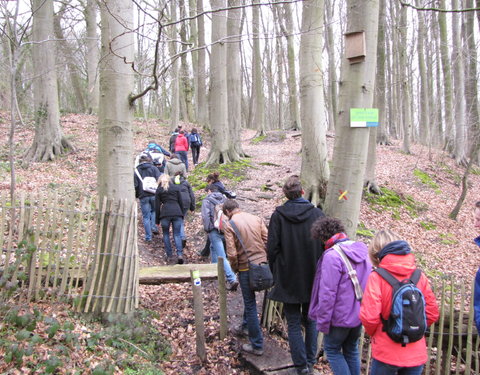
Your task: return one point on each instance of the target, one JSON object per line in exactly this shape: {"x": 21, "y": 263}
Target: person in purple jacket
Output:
{"x": 335, "y": 304}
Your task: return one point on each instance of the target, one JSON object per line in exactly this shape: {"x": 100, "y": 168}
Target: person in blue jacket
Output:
{"x": 476, "y": 295}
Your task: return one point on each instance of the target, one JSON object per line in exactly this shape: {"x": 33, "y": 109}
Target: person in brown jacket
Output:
{"x": 253, "y": 233}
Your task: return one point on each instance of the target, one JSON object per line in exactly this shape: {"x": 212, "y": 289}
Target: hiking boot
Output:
{"x": 232, "y": 285}
{"x": 180, "y": 260}
{"x": 248, "y": 348}
{"x": 240, "y": 331}
{"x": 310, "y": 368}
{"x": 184, "y": 243}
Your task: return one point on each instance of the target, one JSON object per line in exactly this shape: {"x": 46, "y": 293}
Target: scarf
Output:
{"x": 396, "y": 248}
{"x": 339, "y": 237}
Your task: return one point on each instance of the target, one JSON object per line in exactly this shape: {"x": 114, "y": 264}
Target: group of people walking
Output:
{"x": 326, "y": 282}
{"x": 331, "y": 284}
{"x": 167, "y": 204}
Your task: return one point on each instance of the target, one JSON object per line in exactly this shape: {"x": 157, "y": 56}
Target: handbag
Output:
{"x": 259, "y": 275}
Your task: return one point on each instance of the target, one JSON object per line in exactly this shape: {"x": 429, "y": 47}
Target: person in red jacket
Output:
{"x": 388, "y": 251}
{"x": 181, "y": 148}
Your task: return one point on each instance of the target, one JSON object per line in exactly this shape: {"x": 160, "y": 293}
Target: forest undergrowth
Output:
{"x": 419, "y": 191}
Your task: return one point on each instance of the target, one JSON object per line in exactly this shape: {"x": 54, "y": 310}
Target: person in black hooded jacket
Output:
{"x": 293, "y": 256}
{"x": 147, "y": 200}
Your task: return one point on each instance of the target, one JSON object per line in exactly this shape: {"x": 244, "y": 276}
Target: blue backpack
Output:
{"x": 407, "y": 321}
{"x": 195, "y": 139}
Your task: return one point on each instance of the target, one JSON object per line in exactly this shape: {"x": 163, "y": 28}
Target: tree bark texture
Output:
{"x": 92, "y": 56}
{"x": 315, "y": 169}
{"x": 351, "y": 144}
{"x": 115, "y": 124}
{"x": 234, "y": 76}
{"x": 221, "y": 151}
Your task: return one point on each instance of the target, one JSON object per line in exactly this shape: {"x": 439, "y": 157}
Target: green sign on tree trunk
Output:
{"x": 363, "y": 117}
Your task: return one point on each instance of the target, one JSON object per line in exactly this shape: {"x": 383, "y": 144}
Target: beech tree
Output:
{"x": 315, "y": 170}
{"x": 49, "y": 141}
{"x": 351, "y": 144}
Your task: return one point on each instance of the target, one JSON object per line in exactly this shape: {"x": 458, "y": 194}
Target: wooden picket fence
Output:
{"x": 76, "y": 248}
{"x": 452, "y": 342}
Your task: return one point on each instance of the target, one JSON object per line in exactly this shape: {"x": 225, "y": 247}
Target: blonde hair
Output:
{"x": 164, "y": 181}
{"x": 381, "y": 239}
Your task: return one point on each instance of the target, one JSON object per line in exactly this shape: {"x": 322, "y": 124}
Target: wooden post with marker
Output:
{"x": 199, "y": 320}
{"x": 222, "y": 290}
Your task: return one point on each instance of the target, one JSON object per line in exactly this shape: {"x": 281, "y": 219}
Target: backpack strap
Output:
{"x": 352, "y": 274}
{"x": 387, "y": 276}
{"x": 415, "y": 277}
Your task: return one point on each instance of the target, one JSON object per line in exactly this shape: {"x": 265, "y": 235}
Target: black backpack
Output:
{"x": 407, "y": 321}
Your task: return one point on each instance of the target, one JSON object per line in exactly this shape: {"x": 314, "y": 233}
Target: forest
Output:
{"x": 271, "y": 86}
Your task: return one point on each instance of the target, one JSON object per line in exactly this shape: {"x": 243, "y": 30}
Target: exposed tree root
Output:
{"x": 47, "y": 151}
{"x": 372, "y": 187}
{"x": 217, "y": 157}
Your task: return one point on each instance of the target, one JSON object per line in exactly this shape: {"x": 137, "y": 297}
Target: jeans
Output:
{"x": 303, "y": 351}
{"x": 147, "y": 205}
{"x": 195, "y": 154}
{"x": 380, "y": 368}
{"x": 183, "y": 155}
{"x": 250, "y": 311}
{"x": 341, "y": 347}
{"x": 176, "y": 224}
{"x": 218, "y": 250}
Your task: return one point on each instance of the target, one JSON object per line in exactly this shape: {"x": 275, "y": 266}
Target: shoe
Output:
{"x": 232, "y": 285}
{"x": 184, "y": 243}
{"x": 155, "y": 232}
{"x": 180, "y": 260}
{"x": 248, "y": 348}
{"x": 310, "y": 368}
{"x": 148, "y": 240}
{"x": 240, "y": 331}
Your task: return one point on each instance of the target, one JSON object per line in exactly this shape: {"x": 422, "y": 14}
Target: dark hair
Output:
{"x": 325, "y": 227}
{"x": 211, "y": 187}
{"x": 176, "y": 130}
{"x": 145, "y": 157}
{"x": 194, "y": 130}
{"x": 174, "y": 156}
{"x": 229, "y": 205}
{"x": 182, "y": 132}
{"x": 213, "y": 177}
{"x": 477, "y": 204}
{"x": 293, "y": 187}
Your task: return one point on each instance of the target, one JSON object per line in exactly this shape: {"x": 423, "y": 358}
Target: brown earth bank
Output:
{"x": 441, "y": 245}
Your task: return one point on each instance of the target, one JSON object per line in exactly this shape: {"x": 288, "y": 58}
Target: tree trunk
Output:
{"x": 351, "y": 144}
{"x": 447, "y": 79}
{"x": 92, "y": 56}
{"x": 234, "y": 76}
{"x": 187, "y": 89}
{"x": 295, "y": 122}
{"x": 315, "y": 169}
{"x": 174, "y": 70}
{"x": 49, "y": 141}
{"x": 115, "y": 164}
{"x": 72, "y": 65}
{"x": 202, "y": 103}
{"x": 258, "y": 100}
{"x": 193, "y": 40}
{"x": 404, "y": 79}
{"x": 424, "y": 104}
{"x": 221, "y": 151}
{"x": 115, "y": 132}
{"x": 459, "y": 84}
{"x": 332, "y": 68}
{"x": 380, "y": 89}
{"x": 471, "y": 94}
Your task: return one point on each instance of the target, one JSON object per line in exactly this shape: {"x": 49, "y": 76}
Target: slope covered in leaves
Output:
{"x": 419, "y": 192}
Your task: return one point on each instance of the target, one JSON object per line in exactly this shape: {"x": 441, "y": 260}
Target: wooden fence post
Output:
{"x": 198, "y": 309}
{"x": 222, "y": 290}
